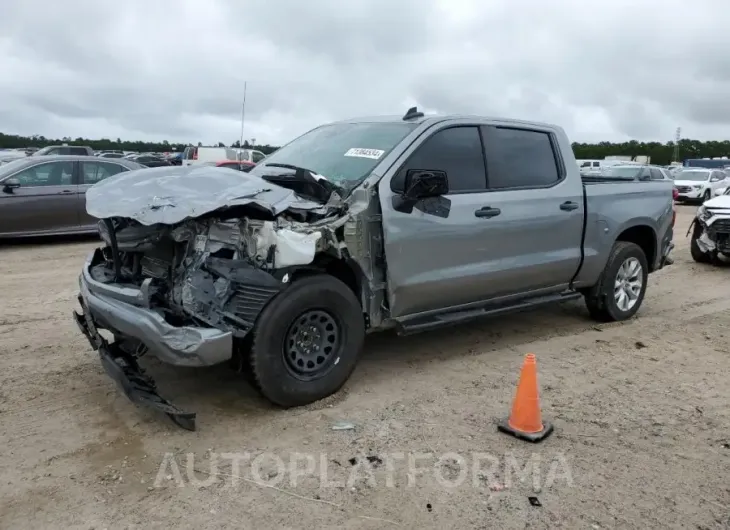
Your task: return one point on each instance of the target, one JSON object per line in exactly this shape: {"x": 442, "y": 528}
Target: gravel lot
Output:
{"x": 640, "y": 409}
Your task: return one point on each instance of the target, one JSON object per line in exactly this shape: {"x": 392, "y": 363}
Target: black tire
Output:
{"x": 272, "y": 370}
{"x": 694, "y": 249}
{"x": 600, "y": 298}
{"x": 706, "y": 197}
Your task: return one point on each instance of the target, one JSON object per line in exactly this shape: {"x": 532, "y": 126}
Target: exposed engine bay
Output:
{"x": 209, "y": 248}
{"x": 212, "y": 272}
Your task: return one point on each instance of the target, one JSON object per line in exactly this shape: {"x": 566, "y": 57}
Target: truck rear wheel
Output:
{"x": 307, "y": 341}
{"x": 622, "y": 285}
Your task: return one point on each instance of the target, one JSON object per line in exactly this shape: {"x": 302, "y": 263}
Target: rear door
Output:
{"x": 534, "y": 244}
{"x": 91, "y": 173}
{"x": 46, "y": 201}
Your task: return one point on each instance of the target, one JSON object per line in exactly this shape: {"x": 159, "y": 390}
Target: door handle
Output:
{"x": 487, "y": 211}
{"x": 569, "y": 206}
{"x": 66, "y": 192}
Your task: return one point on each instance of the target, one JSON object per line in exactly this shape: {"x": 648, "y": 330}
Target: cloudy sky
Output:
{"x": 175, "y": 70}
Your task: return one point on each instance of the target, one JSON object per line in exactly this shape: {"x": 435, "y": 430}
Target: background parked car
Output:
{"x": 250, "y": 155}
{"x": 78, "y": 150}
{"x": 197, "y": 155}
{"x": 699, "y": 184}
{"x": 174, "y": 158}
{"x": 639, "y": 171}
{"x": 10, "y": 155}
{"x": 47, "y": 195}
{"x": 233, "y": 164}
{"x": 149, "y": 160}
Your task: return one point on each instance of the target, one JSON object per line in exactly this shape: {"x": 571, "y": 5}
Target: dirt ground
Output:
{"x": 641, "y": 415}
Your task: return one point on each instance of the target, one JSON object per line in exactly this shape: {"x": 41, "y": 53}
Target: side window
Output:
{"x": 585, "y": 164}
{"x": 520, "y": 158}
{"x": 656, "y": 174}
{"x": 50, "y": 174}
{"x": 597, "y": 164}
{"x": 93, "y": 172}
{"x": 458, "y": 152}
{"x": 78, "y": 151}
{"x": 188, "y": 153}
{"x": 257, "y": 157}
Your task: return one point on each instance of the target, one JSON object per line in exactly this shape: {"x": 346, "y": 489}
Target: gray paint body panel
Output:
{"x": 532, "y": 248}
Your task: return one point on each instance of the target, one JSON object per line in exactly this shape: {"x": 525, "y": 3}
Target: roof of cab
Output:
{"x": 431, "y": 119}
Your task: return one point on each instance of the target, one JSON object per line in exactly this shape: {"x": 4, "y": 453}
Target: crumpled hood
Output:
{"x": 722, "y": 201}
{"x": 168, "y": 195}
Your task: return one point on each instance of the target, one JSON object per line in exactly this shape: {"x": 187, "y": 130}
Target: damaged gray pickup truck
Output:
{"x": 409, "y": 222}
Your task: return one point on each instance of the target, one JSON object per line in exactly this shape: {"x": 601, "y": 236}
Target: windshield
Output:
{"x": 44, "y": 151}
{"x": 344, "y": 153}
{"x": 696, "y": 176}
{"x": 622, "y": 171}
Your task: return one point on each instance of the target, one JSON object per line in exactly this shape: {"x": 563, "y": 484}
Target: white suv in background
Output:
{"x": 699, "y": 184}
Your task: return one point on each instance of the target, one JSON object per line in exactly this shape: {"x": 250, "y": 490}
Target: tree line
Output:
{"x": 660, "y": 153}
{"x": 14, "y": 141}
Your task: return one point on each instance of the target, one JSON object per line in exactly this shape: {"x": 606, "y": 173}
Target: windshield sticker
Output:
{"x": 365, "y": 153}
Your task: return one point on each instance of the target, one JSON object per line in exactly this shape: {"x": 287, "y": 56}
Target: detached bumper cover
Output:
{"x": 121, "y": 309}
{"x": 124, "y": 370}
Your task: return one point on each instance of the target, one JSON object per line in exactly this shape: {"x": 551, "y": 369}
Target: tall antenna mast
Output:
{"x": 243, "y": 115}
{"x": 677, "y": 137}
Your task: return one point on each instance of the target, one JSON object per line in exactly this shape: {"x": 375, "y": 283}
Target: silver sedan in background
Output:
{"x": 47, "y": 195}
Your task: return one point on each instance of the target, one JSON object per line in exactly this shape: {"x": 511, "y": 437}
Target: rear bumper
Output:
{"x": 122, "y": 310}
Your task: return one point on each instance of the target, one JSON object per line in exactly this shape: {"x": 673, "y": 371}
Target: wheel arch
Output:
{"x": 644, "y": 236}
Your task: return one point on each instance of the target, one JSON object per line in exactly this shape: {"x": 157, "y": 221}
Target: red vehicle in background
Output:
{"x": 240, "y": 165}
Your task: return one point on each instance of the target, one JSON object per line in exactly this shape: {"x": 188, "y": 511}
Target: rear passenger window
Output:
{"x": 78, "y": 151}
{"x": 458, "y": 152}
{"x": 518, "y": 158}
{"x": 93, "y": 172}
{"x": 656, "y": 174}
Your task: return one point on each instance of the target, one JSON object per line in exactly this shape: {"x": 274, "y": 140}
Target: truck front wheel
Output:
{"x": 307, "y": 341}
{"x": 621, "y": 288}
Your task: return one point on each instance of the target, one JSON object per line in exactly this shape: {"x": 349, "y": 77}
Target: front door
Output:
{"x": 436, "y": 252}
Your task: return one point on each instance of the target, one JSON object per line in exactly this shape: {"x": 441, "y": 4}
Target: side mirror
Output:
{"x": 422, "y": 184}
{"x": 10, "y": 184}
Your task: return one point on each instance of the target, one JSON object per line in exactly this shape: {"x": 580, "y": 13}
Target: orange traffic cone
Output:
{"x": 525, "y": 422}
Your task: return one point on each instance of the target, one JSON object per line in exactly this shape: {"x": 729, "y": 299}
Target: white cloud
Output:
{"x": 604, "y": 69}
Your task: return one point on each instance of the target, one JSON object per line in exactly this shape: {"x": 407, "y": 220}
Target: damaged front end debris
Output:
{"x": 123, "y": 368}
{"x": 710, "y": 231}
{"x": 185, "y": 278}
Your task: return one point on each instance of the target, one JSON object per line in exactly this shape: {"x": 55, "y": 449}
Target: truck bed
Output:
{"x": 611, "y": 203}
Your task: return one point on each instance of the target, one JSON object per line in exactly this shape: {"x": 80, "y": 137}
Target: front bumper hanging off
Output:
{"x": 123, "y": 368}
